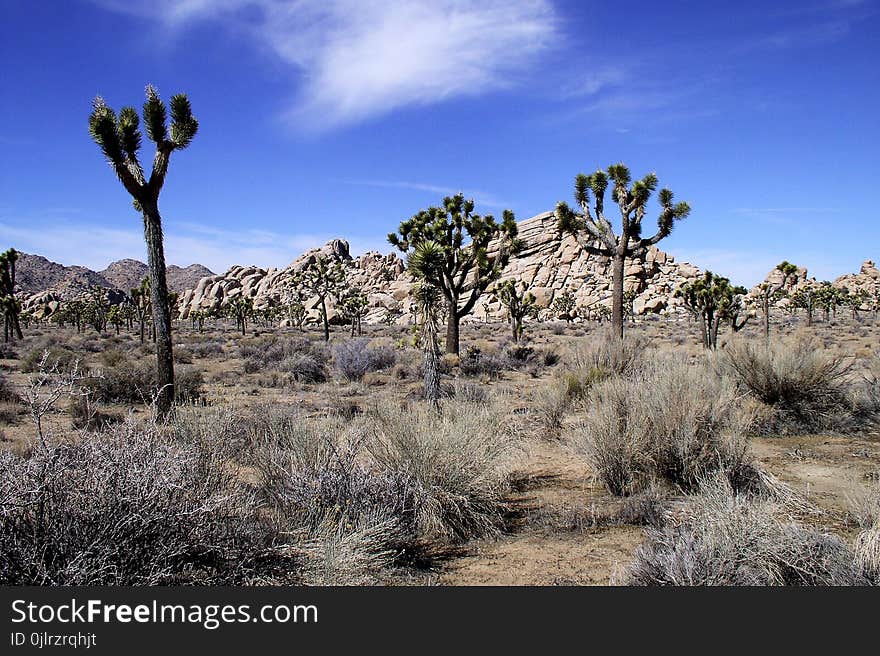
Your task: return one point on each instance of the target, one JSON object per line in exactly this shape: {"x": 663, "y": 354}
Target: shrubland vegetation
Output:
{"x": 296, "y": 451}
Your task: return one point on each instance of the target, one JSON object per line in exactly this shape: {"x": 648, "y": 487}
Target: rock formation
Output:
{"x": 550, "y": 264}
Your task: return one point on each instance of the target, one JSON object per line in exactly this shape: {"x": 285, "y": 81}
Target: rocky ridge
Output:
{"x": 550, "y": 264}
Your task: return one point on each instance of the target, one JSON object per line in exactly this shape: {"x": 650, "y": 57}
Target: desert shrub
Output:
{"x": 803, "y": 387}
{"x": 62, "y": 358}
{"x": 86, "y": 415}
{"x": 469, "y": 392}
{"x": 135, "y": 382}
{"x": 729, "y": 539}
{"x": 7, "y": 352}
{"x": 183, "y": 355}
{"x": 562, "y": 393}
{"x": 7, "y": 391}
{"x": 112, "y": 357}
{"x": 354, "y": 358}
{"x": 867, "y": 544}
{"x": 133, "y": 506}
{"x": 476, "y": 363}
{"x": 205, "y": 349}
{"x": 457, "y": 464}
{"x": 608, "y": 353}
{"x": 671, "y": 422}
{"x": 304, "y": 367}
{"x": 268, "y": 353}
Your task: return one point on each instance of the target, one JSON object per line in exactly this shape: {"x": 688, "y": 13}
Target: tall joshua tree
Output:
{"x": 594, "y": 231}
{"x": 120, "y": 140}
{"x": 468, "y": 267}
{"x": 428, "y": 297}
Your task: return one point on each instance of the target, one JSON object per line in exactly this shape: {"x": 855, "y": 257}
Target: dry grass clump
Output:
{"x": 867, "y": 544}
{"x": 457, "y": 463}
{"x": 670, "y": 422}
{"x": 729, "y": 539}
{"x": 608, "y": 353}
{"x": 135, "y": 382}
{"x": 132, "y": 506}
{"x": 804, "y": 387}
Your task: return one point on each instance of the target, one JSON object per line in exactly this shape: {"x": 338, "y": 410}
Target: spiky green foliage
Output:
{"x": 594, "y": 231}
{"x": 563, "y": 306}
{"x": 241, "y": 308}
{"x": 325, "y": 280}
{"x": 713, "y": 300}
{"x": 458, "y": 263}
{"x": 520, "y": 303}
{"x": 353, "y": 304}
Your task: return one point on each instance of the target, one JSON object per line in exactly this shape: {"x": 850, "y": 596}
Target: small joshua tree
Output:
{"x": 563, "y": 306}
{"x": 97, "y": 309}
{"x": 241, "y": 309}
{"x": 463, "y": 238}
{"x": 595, "y": 233}
{"x": 520, "y": 303}
{"x": 828, "y": 297}
{"x": 712, "y": 299}
{"x": 629, "y": 299}
{"x": 354, "y": 304}
{"x": 805, "y": 299}
{"x": 119, "y": 138}
{"x": 770, "y": 293}
{"x": 9, "y": 304}
{"x": 428, "y": 299}
{"x": 324, "y": 279}
{"x": 140, "y": 300}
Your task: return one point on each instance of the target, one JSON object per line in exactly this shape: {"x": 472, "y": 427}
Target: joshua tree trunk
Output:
{"x": 617, "y": 273}
{"x": 765, "y": 306}
{"x": 452, "y": 326}
{"x": 161, "y": 311}
{"x": 324, "y": 318}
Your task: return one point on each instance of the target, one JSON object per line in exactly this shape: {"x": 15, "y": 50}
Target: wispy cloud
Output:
{"x": 355, "y": 60}
{"x": 96, "y": 246}
{"x": 481, "y": 198}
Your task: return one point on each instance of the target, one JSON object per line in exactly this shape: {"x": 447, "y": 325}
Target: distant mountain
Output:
{"x": 34, "y": 273}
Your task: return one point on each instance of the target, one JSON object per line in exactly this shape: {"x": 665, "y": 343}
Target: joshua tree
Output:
{"x": 9, "y": 304}
{"x": 97, "y": 308}
{"x": 805, "y": 299}
{"x": 140, "y": 298}
{"x": 595, "y": 234}
{"x": 563, "y": 306}
{"x": 324, "y": 279}
{"x": 428, "y": 299}
{"x": 519, "y": 304}
{"x": 241, "y": 308}
{"x": 354, "y": 306}
{"x": 116, "y": 317}
{"x": 770, "y": 293}
{"x": 713, "y": 299}
{"x": 467, "y": 267}
{"x": 120, "y": 140}
{"x": 629, "y": 299}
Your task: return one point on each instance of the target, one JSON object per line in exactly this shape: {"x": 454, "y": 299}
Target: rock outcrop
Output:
{"x": 867, "y": 280}
{"x": 550, "y": 264}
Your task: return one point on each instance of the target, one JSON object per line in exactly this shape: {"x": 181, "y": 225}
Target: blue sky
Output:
{"x": 342, "y": 118}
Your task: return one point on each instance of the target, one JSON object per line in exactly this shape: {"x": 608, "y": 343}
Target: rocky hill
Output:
{"x": 550, "y": 264}
{"x": 127, "y": 274}
{"x": 866, "y": 280}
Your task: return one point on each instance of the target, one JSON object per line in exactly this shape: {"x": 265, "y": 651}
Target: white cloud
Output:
{"x": 185, "y": 243}
{"x": 358, "y": 59}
